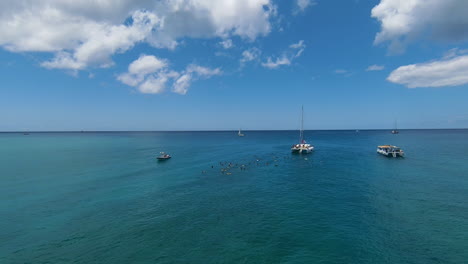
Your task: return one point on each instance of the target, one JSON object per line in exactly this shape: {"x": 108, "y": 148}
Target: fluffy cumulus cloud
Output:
{"x": 87, "y": 33}
{"x": 212, "y": 18}
{"x": 404, "y": 20}
{"x": 375, "y": 67}
{"x": 295, "y": 50}
{"x": 451, "y": 71}
{"x": 143, "y": 67}
{"x": 152, "y": 75}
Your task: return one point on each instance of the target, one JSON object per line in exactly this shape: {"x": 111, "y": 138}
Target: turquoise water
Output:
{"x": 102, "y": 198}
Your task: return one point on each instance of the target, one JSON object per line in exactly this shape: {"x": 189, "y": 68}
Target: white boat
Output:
{"x": 240, "y": 133}
{"x": 390, "y": 151}
{"x": 163, "y": 156}
{"x": 302, "y": 147}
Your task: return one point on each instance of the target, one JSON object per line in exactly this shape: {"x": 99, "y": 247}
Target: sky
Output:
{"x": 228, "y": 64}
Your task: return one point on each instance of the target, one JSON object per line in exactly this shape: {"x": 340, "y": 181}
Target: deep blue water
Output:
{"x": 103, "y": 198}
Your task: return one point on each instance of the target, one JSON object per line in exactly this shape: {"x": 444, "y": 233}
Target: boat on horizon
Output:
{"x": 390, "y": 151}
{"x": 240, "y": 133}
{"x": 303, "y": 146}
{"x": 395, "y": 130}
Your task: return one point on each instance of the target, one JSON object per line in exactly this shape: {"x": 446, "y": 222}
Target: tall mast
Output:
{"x": 302, "y": 125}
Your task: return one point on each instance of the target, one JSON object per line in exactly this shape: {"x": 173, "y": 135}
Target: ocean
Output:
{"x": 103, "y": 198}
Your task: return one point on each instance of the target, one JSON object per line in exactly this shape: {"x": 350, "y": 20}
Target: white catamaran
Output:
{"x": 390, "y": 151}
{"x": 240, "y": 133}
{"x": 302, "y": 147}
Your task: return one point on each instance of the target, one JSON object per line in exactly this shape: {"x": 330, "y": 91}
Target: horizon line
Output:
{"x": 221, "y": 130}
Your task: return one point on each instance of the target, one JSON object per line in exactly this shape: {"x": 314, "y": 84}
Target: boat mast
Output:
{"x": 302, "y": 125}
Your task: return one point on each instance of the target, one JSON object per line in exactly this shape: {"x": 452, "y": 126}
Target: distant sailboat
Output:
{"x": 395, "y": 130}
{"x": 240, "y": 133}
{"x": 302, "y": 147}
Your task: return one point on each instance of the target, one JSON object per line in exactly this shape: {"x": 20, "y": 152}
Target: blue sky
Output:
{"x": 216, "y": 65}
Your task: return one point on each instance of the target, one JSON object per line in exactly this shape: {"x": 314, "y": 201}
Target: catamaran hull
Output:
{"x": 300, "y": 151}
{"x": 391, "y": 154}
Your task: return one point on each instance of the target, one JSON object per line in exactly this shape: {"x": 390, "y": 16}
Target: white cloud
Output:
{"x": 92, "y": 48}
{"x": 276, "y": 63}
{"x": 182, "y": 83}
{"x": 130, "y": 79}
{"x": 451, "y": 53}
{"x": 139, "y": 69}
{"x": 294, "y": 51}
{"x": 300, "y": 47}
{"x": 202, "y": 71}
{"x": 88, "y": 33}
{"x": 302, "y": 5}
{"x": 341, "y": 71}
{"x": 445, "y": 72}
{"x": 192, "y": 73}
{"x": 63, "y": 60}
{"x": 154, "y": 84}
{"x": 226, "y": 44}
{"x": 211, "y": 18}
{"x": 146, "y": 65}
{"x": 250, "y": 55}
{"x": 403, "y": 20}
{"x": 375, "y": 68}
{"x": 151, "y": 75}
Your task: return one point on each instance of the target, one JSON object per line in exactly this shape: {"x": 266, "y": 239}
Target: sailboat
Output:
{"x": 302, "y": 147}
{"x": 240, "y": 133}
{"x": 395, "y": 131}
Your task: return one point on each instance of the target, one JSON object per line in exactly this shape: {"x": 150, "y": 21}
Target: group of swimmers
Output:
{"x": 227, "y": 167}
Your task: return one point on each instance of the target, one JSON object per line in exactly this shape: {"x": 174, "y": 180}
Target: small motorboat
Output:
{"x": 163, "y": 156}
